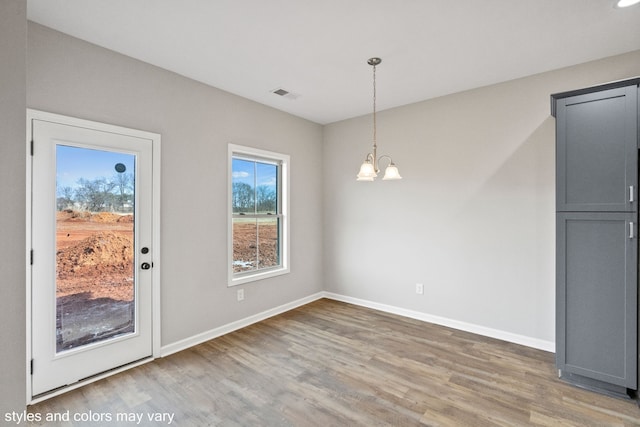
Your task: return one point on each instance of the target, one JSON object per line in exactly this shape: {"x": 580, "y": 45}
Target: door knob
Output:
{"x": 145, "y": 266}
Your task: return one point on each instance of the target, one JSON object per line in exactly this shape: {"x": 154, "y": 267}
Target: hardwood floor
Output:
{"x": 334, "y": 364}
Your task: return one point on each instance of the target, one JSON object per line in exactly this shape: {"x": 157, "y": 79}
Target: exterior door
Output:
{"x": 92, "y": 251}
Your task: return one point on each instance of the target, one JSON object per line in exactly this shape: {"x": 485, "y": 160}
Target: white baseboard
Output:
{"x": 455, "y": 324}
{"x": 443, "y": 321}
{"x": 234, "y": 326}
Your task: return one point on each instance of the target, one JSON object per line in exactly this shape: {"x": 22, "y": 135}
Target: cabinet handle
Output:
{"x": 631, "y": 230}
{"x": 631, "y": 193}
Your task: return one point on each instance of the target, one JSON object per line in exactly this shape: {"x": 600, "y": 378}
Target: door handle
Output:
{"x": 145, "y": 266}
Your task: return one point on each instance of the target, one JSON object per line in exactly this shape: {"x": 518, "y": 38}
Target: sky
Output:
{"x": 73, "y": 163}
{"x": 243, "y": 171}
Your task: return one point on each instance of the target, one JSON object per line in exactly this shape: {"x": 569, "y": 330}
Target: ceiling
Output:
{"x": 318, "y": 50}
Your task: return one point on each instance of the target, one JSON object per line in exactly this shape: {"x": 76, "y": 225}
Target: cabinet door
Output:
{"x": 596, "y": 143}
{"x": 597, "y": 296}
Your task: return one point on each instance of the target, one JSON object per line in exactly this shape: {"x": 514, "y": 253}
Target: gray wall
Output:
{"x": 473, "y": 219}
{"x": 13, "y": 39}
{"x": 68, "y": 76}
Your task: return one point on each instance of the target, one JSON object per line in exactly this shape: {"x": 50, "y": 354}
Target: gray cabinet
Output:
{"x": 597, "y": 297}
{"x": 596, "y": 163}
{"x": 597, "y": 237}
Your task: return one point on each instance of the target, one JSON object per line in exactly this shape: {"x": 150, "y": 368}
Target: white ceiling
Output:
{"x": 318, "y": 49}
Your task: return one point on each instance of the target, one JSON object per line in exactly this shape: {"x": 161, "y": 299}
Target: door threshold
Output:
{"x": 86, "y": 381}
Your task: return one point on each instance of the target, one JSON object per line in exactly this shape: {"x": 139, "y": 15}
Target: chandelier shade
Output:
{"x": 391, "y": 172}
{"x": 367, "y": 172}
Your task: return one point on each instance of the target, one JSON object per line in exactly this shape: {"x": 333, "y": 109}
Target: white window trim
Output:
{"x": 283, "y": 159}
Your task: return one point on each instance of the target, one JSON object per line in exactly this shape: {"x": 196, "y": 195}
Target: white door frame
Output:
{"x": 155, "y": 232}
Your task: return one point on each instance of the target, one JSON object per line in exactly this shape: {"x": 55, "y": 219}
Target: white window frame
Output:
{"x": 250, "y": 153}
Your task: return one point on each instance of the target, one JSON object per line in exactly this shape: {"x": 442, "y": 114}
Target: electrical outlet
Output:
{"x": 419, "y": 288}
{"x": 240, "y": 294}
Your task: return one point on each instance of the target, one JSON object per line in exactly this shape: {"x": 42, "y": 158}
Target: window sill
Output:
{"x": 247, "y": 278}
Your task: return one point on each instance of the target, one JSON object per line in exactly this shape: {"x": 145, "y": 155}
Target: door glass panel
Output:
{"x": 95, "y": 257}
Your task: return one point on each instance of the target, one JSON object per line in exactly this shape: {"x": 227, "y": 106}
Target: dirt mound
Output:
{"x": 71, "y": 215}
{"x": 125, "y": 218}
{"x": 105, "y": 217}
{"x": 102, "y": 262}
{"x": 99, "y": 217}
{"x": 104, "y": 250}
{"x": 64, "y": 215}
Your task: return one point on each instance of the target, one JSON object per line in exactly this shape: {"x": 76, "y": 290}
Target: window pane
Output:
{"x": 266, "y": 188}
{"x": 245, "y": 248}
{"x": 243, "y": 179}
{"x": 268, "y": 247}
{"x": 258, "y": 218}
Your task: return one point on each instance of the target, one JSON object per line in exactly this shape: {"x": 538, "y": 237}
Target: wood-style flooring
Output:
{"x": 334, "y": 364}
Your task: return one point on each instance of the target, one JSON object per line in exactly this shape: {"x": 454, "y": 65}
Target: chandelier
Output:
{"x": 369, "y": 169}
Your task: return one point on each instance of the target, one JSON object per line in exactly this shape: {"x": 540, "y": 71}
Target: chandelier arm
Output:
{"x": 385, "y": 156}
{"x": 370, "y": 158}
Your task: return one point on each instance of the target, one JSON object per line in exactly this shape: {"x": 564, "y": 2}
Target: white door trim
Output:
{"x": 155, "y": 231}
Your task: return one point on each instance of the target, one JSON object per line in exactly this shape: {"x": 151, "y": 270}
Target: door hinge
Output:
{"x": 31, "y": 367}
{"x": 31, "y": 257}
{"x": 32, "y": 147}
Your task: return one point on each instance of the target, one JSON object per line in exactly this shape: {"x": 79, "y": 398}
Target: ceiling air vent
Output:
{"x": 285, "y": 93}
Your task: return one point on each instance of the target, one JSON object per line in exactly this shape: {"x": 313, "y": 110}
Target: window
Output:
{"x": 258, "y": 207}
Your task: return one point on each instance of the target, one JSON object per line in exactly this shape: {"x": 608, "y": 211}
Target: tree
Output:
{"x": 242, "y": 198}
{"x": 96, "y": 195}
{"x": 124, "y": 188}
{"x": 65, "y": 198}
{"x": 265, "y": 199}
